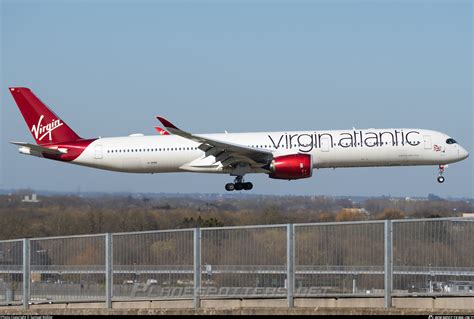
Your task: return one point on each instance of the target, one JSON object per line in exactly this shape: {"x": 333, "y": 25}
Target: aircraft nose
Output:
{"x": 463, "y": 154}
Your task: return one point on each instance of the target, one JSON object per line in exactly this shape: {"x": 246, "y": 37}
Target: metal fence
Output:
{"x": 368, "y": 258}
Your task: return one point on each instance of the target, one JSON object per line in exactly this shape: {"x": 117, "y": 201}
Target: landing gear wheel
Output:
{"x": 248, "y": 186}
{"x": 441, "y": 169}
{"x": 238, "y": 184}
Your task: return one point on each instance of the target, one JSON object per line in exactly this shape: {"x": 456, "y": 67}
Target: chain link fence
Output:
{"x": 11, "y": 271}
{"x": 433, "y": 257}
{"x": 153, "y": 264}
{"x": 67, "y": 268}
{"x": 410, "y": 257}
{"x": 339, "y": 259}
{"x": 244, "y": 262}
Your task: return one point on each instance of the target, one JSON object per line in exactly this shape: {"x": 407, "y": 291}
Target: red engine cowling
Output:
{"x": 293, "y": 166}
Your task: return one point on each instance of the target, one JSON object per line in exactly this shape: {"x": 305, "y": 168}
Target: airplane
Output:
{"x": 287, "y": 155}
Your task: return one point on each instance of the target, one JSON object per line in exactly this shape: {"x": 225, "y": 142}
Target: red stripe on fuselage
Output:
{"x": 74, "y": 149}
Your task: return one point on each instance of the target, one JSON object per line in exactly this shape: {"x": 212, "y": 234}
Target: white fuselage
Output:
{"x": 329, "y": 149}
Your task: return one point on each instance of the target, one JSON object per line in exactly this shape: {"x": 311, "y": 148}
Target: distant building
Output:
{"x": 468, "y": 215}
{"x": 361, "y": 211}
{"x": 33, "y": 199}
{"x": 434, "y": 197}
{"x": 450, "y": 286}
{"x": 459, "y": 286}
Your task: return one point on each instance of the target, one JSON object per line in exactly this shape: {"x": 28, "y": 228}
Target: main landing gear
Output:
{"x": 440, "y": 173}
{"x": 238, "y": 185}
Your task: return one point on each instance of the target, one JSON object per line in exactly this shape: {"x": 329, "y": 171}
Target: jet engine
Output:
{"x": 294, "y": 166}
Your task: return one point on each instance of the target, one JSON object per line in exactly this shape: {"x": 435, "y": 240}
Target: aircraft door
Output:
{"x": 427, "y": 141}
{"x": 325, "y": 144}
{"x": 98, "y": 152}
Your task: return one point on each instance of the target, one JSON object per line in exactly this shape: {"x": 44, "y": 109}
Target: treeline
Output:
{"x": 70, "y": 215}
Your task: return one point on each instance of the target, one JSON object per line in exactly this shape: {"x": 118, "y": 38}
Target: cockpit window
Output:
{"x": 450, "y": 141}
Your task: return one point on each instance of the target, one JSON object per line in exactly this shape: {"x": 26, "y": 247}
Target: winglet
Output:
{"x": 166, "y": 123}
{"x": 161, "y": 131}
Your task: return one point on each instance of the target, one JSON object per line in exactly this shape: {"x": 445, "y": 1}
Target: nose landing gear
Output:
{"x": 440, "y": 173}
{"x": 238, "y": 185}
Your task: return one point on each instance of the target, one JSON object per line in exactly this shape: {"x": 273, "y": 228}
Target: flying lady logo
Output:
{"x": 40, "y": 130}
{"x": 437, "y": 148}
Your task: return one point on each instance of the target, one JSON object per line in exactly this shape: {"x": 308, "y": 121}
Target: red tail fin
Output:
{"x": 45, "y": 126}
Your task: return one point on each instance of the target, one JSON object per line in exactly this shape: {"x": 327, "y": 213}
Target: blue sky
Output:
{"x": 108, "y": 67}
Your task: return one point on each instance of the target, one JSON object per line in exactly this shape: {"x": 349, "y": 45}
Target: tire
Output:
{"x": 440, "y": 179}
{"x": 239, "y": 186}
{"x": 229, "y": 187}
{"x": 248, "y": 186}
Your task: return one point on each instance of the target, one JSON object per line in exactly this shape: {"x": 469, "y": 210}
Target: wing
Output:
{"x": 41, "y": 149}
{"x": 229, "y": 154}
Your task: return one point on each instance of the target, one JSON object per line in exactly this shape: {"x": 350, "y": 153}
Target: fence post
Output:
{"x": 109, "y": 278}
{"x": 388, "y": 264}
{"x": 26, "y": 273}
{"x": 290, "y": 261}
{"x": 197, "y": 268}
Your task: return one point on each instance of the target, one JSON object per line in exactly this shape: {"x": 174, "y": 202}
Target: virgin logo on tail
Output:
{"x": 40, "y": 130}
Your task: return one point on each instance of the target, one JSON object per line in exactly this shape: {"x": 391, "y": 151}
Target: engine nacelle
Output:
{"x": 293, "y": 166}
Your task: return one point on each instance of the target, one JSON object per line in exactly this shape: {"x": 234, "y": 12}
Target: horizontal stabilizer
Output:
{"x": 41, "y": 149}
